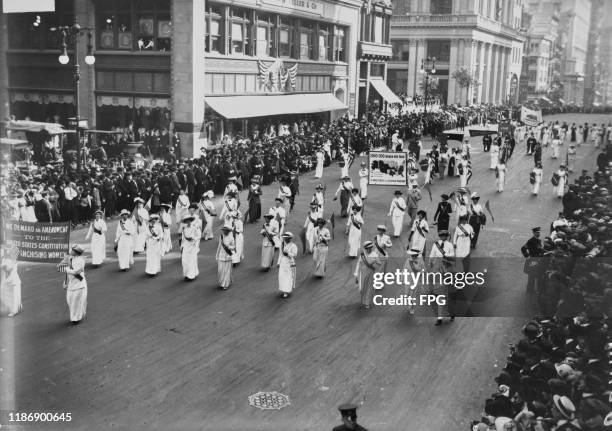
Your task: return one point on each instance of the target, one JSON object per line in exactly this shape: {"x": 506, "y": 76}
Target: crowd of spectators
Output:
{"x": 557, "y": 377}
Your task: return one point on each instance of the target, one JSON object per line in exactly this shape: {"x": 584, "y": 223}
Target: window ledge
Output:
{"x": 287, "y": 59}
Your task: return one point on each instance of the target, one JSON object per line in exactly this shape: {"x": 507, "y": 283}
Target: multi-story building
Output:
{"x": 593, "y": 81}
{"x": 200, "y": 69}
{"x": 574, "y": 29}
{"x": 482, "y": 36}
{"x": 541, "y": 21}
{"x": 606, "y": 56}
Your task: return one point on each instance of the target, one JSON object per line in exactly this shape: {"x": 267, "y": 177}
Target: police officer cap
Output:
{"x": 536, "y": 229}
{"x": 348, "y": 410}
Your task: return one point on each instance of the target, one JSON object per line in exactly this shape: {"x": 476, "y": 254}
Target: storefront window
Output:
{"x": 323, "y": 43}
{"x": 401, "y": 50}
{"x": 134, "y": 25}
{"x": 339, "y": 44}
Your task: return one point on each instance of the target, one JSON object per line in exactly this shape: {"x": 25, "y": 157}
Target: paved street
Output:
{"x": 163, "y": 354}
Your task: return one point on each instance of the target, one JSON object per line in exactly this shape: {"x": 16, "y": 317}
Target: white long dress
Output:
{"x": 501, "y": 177}
{"x": 419, "y": 238}
{"x": 538, "y": 180}
{"x": 76, "y": 289}
{"x": 560, "y": 189}
{"x": 97, "y": 234}
{"x": 355, "y": 223}
{"x": 363, "y": 182}
{"x": 10, "y": 287}
{"x": 182, "y": 208}
{"x": 190, "y": 246}
{"x": 155, "y": 249}
{"x": 286, "y": 267}
{"x": 320, "y": 161}
{"x": 310, "y": 225}
{"x": 238, "y": 255}
{"x": 141, "y": 230}
{"x": 396, "y": 212}
{"x": 208, "y": 209}
{"x": 494, "y": 156}
{"x": 125, "y": 243}
{"x": 166, "y": 219}
{"x": 269, "y": 233}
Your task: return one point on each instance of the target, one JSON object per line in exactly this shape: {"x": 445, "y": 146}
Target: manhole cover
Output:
{"x": 269, "y": 400}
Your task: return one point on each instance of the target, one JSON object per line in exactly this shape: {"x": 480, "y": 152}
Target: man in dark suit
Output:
{"x": 131, "y": 189}
{"x": 486, "y": 142}
{"x": 42, "y": 209}
{"x": 533, "y": 250}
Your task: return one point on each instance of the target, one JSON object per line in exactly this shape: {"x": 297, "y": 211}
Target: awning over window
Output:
{"x": 381, "y": 87}
{"x": 261, "y": 106}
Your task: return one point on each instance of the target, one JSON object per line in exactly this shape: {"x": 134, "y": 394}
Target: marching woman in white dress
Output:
{"x": 10, "y": 283}
{"x": 418, "y": 234}
{"x": 124, "y": 241}
{"x": 363, "y": 180}
{"x": 319, "y": 256}
{"x": 270, "y": 241}
{"x": 285, "y": 194}
{"x": 555, "y": 147}
{"x": 320, "y": 162}
{"x": 182, "y": 206}
{"x": 225, "y": 252}
{"x": 354, "y": 224}
{"x": 141, "y": 220}
{"x": 286, "y": 265}
{"x": 76, "y": 285}
{"x": 310, "y": 225}
{"x": 396, "y": 212}
{"x": 319, "y": 198}
{"x": 537, "y": 176}
{"x": 207, "y": 209}
{"x": 500, "y": 174}
{"x": 97, "y": 234}
{"x": 166, "y": 221}
{"x": 190, "y": 246}
{"x": 494, "y": 155}
{"x": 560, "y": 188}
{"x": 154, "y": 246}
{"x": 238, "y": 229}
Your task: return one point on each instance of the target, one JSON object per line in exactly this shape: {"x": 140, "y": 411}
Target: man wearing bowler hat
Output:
{"x": 349, "y": 418}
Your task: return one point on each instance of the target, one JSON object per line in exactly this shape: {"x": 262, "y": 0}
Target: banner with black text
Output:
{"x": 38, "y": 242}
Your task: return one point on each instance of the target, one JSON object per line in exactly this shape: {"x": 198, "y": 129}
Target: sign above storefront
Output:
{"x": 298, "y": 5}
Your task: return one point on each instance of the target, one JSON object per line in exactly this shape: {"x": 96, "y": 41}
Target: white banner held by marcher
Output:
{"x": 387, "y": 168}
{"x": 531, "y": 117}
{"x": 20, "y": 6}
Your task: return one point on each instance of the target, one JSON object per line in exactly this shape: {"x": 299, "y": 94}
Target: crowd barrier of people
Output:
{"x": 557, "y": 376}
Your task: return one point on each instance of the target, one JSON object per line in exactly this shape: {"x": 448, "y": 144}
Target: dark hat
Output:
{"x": 268, "y": 215}
{"x": 321, "y": 221}
{"x": 536, "y": 229}
{"x": 444, "y": 196}
{"x": 504, "y": 379}
{"x": 278, "y": 199}
{"x": 348, "y": 410}
{"x": 443, "y": 233}
{"x": 193, "y": 205}
{"x": 398, "y": 192}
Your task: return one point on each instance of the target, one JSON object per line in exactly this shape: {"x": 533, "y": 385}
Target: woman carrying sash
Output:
{"x": 353, "y": 227}
{"x": 76, "y": 285}
{"x": 225, "y": 252}
{"x": 166, "y": 221}
{"x": 154, "y": 246}
{"x": 310, "y": 225}
{"x": 414, "y": 264}
{"x": 10, "y": 283}
{"x": 440, "y": 262}
{"x": 190, "y": 246}
{"x": 419, "y": 231}
{"x": 396, "y": 212}
{"x": 286, "y": 265}
{"x": 97, "y": 234}
{"x": 322, "y": 238}
{"x": 382, "y": 242}
{"x": 270, "y": 241}
{"x": 124, "y": 241}
{"x": 368, "y": 264}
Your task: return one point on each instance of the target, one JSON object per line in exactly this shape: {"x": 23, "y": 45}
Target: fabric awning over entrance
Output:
{"x": 261, "y": 106}
{"x": 381, "y": 87}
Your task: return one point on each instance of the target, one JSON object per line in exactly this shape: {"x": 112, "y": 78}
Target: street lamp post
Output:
{"x": 74, "y": 32}
{"x": 428, "y": 68}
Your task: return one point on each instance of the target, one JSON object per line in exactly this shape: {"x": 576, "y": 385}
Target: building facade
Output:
{"x": 541, "y": 21}
{"x": 481, "y": 36}
{"x": 199, "y": 69}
